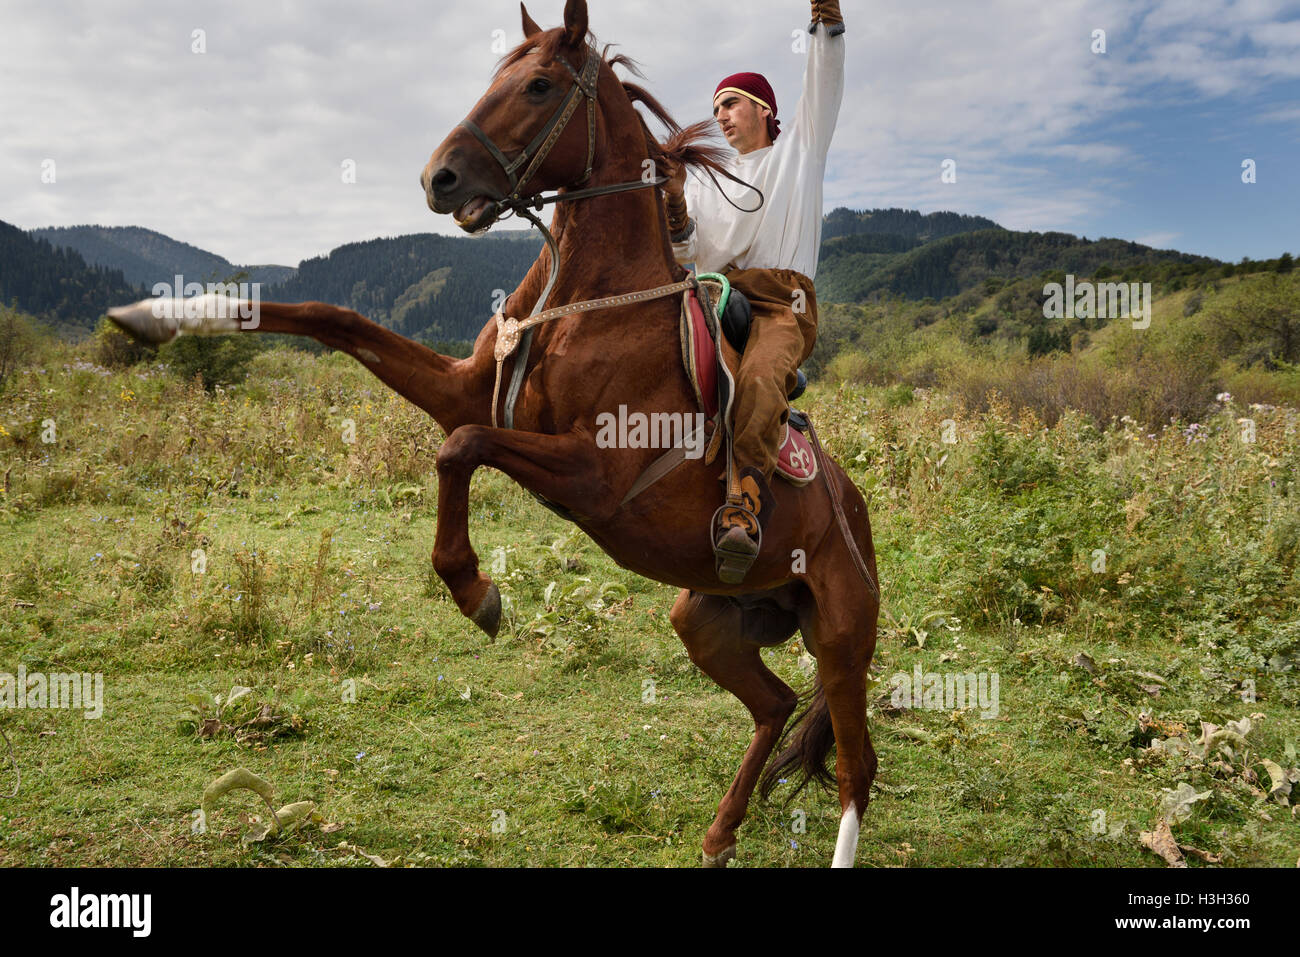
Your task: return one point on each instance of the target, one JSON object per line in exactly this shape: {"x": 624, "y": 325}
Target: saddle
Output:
{"x": 718, "y": 309}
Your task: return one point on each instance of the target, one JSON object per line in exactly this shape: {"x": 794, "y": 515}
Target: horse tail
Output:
{"x": 804, "y": 746}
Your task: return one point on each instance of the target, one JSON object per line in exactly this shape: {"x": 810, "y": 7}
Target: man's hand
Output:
{"x": 676, "y": 185}
{"x": 827, "y": 12}
{"x": 675, "y": 201}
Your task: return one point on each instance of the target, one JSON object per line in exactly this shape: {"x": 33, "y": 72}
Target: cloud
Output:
{"x": 1157, "y": 240}
{"x": 240, "y": 149}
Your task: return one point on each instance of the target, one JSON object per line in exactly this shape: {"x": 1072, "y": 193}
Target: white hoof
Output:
{"x": 139, "y": 320}
{"x": 162, "y": 320}
{"x": 721, "y": 858}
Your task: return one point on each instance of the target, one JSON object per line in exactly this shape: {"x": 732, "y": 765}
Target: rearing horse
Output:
{"x": 610, "y": 243}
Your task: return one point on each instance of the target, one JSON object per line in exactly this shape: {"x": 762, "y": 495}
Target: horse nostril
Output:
{"x": 443, "y": 181}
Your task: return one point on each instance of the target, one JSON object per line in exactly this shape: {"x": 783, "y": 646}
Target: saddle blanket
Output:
{"x": 795, "y": 460}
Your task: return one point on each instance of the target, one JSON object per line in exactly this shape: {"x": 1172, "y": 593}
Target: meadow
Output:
{"x": 249, "y": 569}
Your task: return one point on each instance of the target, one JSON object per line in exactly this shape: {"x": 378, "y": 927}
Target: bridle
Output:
{"x": 535, "y": 153}
{"x": 514, "y": 335}
{"x": 517, "y": 203}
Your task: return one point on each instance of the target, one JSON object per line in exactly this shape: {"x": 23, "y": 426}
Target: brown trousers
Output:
{"x": 780, "y": 339}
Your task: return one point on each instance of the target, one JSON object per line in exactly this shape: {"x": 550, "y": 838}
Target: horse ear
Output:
{"x": 531, "y": 29}
{"x": 575, "y": 23}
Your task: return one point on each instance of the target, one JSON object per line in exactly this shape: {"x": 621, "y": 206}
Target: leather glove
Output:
{"x": 827, "y": 12}
{"x": 678, "y": 219}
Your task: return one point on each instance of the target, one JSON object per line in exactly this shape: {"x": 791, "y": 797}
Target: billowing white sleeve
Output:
{"x": 823, "y": 89}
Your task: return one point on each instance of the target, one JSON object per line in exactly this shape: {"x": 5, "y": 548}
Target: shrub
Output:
{"x": 222, "y": 360}
{"x": 17, "y": 342}
{"x": 112, "y": 348}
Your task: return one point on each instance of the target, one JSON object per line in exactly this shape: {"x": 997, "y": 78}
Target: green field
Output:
{"x": 312, "y": 577}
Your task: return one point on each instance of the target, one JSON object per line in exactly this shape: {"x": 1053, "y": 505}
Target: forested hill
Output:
{"x": 57, "y": 285}
{"x": 146, "y": 257}
{"x": 428, "y": 287}
{"x": 854, "y": 268}
{"x": 907, "y": 224}
{"x": 440, "y": 289}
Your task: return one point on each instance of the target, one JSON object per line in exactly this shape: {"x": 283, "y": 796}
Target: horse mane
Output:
{"x": 687, "y": 146}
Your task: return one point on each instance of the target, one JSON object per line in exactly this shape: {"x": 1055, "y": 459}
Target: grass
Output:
{"x": 1122, "y": 583}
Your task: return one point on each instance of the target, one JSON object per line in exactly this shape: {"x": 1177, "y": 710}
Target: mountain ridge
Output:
{"x": 442, "y": 289}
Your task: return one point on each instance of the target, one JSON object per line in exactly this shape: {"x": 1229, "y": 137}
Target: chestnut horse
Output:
{"x": 808, "y": 577}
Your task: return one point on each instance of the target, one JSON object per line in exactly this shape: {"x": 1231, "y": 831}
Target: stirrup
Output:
{"x": 737, "y": 548}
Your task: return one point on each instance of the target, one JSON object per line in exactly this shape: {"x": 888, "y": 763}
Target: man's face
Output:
{"x": 743, "y": 122}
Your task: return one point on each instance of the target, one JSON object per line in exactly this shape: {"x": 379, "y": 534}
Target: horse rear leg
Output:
{"x": 840, "y": 623}
{"x": 562, "y": 468}
{"x": 725, "y": 642}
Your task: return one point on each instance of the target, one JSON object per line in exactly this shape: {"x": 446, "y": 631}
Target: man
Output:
{"x": 770, "y": 255}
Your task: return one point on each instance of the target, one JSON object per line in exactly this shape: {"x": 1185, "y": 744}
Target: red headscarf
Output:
{"x": 755, "y": 87}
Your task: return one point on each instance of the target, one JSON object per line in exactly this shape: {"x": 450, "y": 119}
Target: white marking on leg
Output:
{"x": 846, "y": 845}
{"x": 161, "y": 320}
{"x": 208, "y": 315}
{"x": 720, "y": 859}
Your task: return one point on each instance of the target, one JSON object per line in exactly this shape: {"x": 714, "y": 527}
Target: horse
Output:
{"x": 816, "y": 572}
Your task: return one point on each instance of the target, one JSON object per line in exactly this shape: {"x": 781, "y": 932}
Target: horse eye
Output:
{"x": 540, "y": 85}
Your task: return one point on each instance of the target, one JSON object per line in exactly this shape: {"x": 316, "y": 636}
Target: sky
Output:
{"x": 239, "y": 149}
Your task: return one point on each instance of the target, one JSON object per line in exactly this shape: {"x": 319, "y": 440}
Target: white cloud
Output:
{"x": 1157, "y": 240}
{"x": 238, "y": 150}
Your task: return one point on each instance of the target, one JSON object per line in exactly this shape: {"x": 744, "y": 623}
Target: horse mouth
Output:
{"x": 477, "y": 214}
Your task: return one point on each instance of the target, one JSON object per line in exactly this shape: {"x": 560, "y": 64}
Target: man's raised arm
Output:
{"x": 823, "y": 80}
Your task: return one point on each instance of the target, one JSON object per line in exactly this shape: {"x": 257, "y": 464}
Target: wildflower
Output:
{"x": 1223, "y": 397}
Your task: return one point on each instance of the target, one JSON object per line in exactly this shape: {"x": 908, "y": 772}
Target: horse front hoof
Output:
{"x": 721, "y": 859}
{"x": 140, "y": 322}
{"x": 488, "y": 614}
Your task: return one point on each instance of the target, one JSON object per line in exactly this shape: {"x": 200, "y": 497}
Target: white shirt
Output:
{"x": 786, "y": 232}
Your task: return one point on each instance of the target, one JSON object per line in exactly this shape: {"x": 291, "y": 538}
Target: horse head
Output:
{"x": 531, "y": 131}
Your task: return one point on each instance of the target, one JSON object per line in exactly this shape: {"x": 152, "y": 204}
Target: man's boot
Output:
{"x": 738, "y": 531}
{"x": 827, "y": 12}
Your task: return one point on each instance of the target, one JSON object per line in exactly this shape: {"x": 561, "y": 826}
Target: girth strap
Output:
{"x": 665, "y": 464}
